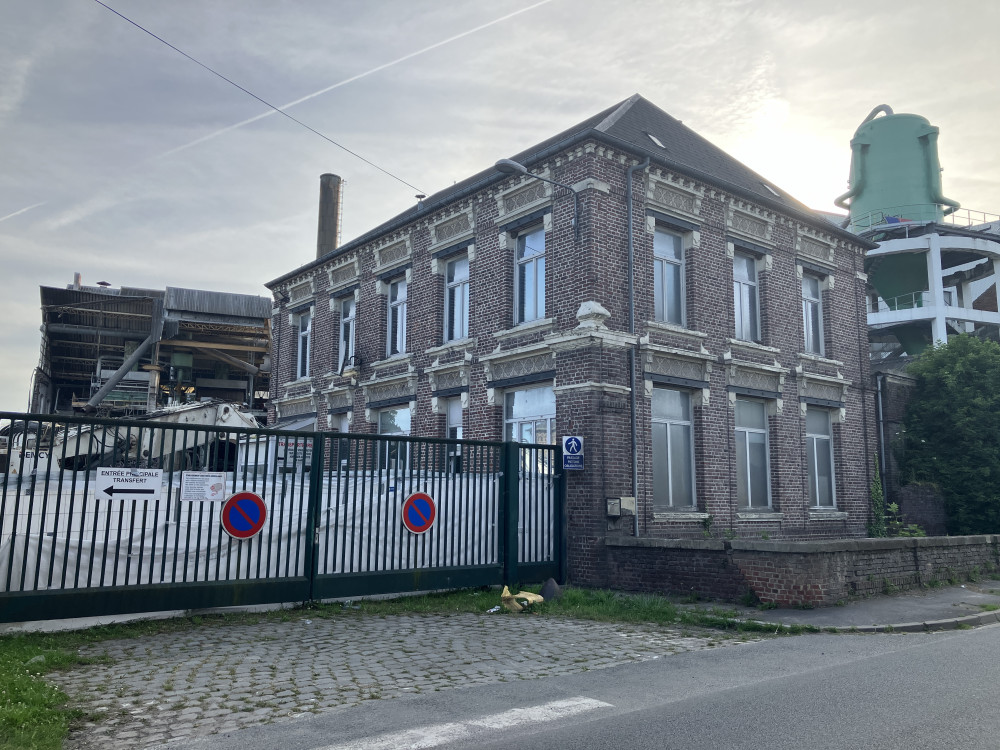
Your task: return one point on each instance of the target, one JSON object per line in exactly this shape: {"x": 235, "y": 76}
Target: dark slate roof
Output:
{"x": 626, "y": 125}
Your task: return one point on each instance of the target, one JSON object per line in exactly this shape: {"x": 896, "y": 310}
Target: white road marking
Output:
{"x": 436, "y": 735}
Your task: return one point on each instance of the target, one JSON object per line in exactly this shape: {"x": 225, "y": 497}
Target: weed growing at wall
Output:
{"x": 876, "y": 527}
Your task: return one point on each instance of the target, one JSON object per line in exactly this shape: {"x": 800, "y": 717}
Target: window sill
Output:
{"x": 680, "y": 515}
{"x": 469, "y": 342}
{"x": 753, "y": 346}
{"x": 297, "y": 381}
{"x": 541, "y": 325}
{"x": 395, "y": 359}
{"x": 809, "y": 357}
{"x": 759, "y": 515}
{"x": 824, "y": 514}
{"x": 659, "y": 325}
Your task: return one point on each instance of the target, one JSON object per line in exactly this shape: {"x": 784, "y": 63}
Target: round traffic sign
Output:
{"x": 419, "y": 512}
{"x": 243, "y": 515}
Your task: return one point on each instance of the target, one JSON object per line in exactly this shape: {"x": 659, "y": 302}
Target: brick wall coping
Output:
{"x": 859, "y": 545}
{"x": 805, "y": 547}
{"x": 646, "y": 541}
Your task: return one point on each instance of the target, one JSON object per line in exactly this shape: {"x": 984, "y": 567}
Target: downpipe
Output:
{"x": 631, "y": 329}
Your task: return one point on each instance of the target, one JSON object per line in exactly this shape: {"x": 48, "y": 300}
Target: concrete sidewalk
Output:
{"x": 943, "y": 608}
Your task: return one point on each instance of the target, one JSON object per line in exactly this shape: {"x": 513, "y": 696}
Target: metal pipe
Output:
{"x": 862, "y": 359}
{"x": 231, "y": 360}
{"x": 631, "y": 329}
{"x": 92, "y": 330}
{"x": 879, "y": 382}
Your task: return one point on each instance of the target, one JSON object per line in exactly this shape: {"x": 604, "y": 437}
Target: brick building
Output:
{"x": 499, "y": 309}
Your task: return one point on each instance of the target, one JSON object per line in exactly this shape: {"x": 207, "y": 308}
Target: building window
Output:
{"x": 819, "y": 455}
{"x": 745, "y": 297}
{"x": 397, "y": 318}
{"x": 393, "y": 454}
{"x": 347, "y": 310}
{"x": 752, "y": 466}
{"x": 530, "y": 287}
{"x": 305, "y": 333}
{"x": 456, "y": 324}
{"x": 812, "y": 314}
{"x": 673, "y": 450}
{"x": 530, "y": 415}
{"x": 668, "y": 278}
{"x": 453, "y": 424}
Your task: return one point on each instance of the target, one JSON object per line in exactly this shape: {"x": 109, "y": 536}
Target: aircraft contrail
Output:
{"x": 22, "y": 211}
{"x": 346, "y": 81}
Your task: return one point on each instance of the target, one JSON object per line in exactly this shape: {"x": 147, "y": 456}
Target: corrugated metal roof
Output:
{"x": 225, "y": 304}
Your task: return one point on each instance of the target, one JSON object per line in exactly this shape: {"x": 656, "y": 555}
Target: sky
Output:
{"x": 127, "y": 162}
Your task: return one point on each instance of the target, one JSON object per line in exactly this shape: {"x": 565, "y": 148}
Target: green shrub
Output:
{"x": 950, "y": 431}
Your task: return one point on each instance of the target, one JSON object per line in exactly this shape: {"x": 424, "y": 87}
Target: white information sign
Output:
{"x": 129, "y": 484}
{"x": 203, "y": 485}
{"x": 295, "y": 451}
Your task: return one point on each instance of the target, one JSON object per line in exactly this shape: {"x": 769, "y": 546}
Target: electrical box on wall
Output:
{"x": 614, "y": 507}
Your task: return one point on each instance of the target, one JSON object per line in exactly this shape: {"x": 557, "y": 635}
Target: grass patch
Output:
{"x": 32, "y": 713}
{"x": 989, "y": 607}
{"x": 581, "y": 604}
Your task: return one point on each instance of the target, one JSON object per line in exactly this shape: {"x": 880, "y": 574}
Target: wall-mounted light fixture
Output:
{"x": 509, "y": 166}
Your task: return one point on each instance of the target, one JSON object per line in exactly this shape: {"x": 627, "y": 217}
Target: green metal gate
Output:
{"x": 72, "y": 544}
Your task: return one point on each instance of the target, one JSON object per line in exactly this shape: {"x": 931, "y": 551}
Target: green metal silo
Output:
{"x": 895, "y": 172}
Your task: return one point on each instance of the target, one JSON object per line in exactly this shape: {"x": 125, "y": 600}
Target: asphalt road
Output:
{"x": 912, "y": 691}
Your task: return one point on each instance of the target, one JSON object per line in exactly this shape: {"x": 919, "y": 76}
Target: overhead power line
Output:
{"x": 259, "y": 99}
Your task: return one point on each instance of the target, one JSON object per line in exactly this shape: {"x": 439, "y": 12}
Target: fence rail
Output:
{"x": 70, "y": 539}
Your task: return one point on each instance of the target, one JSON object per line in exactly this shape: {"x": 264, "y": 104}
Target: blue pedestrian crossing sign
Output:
{"x": 573, "y": 452}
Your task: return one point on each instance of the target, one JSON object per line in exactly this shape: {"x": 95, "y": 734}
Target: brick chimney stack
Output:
{"x": 328, "y": 236}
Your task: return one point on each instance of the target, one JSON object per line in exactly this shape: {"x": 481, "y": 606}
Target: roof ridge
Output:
{"x": 619, "y": 112}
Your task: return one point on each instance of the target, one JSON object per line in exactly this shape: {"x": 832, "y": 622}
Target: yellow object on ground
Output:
{"x": 511, "y": 603}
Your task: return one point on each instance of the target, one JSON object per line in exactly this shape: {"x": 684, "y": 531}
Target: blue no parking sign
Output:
{"x": 419, "y": 512}
{"x": 243, "y": 515}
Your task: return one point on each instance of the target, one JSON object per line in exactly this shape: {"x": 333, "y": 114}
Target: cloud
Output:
{"x": 13, "y": 85}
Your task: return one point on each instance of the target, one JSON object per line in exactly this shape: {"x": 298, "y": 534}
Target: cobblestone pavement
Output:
{"x": 171, "y": 687}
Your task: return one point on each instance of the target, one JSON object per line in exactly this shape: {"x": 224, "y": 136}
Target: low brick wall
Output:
{"x": 675, "y": 566}
{"x": 790, "y": 573}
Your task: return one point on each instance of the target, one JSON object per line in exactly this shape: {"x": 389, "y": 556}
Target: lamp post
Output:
{"x": 509, "y": 166}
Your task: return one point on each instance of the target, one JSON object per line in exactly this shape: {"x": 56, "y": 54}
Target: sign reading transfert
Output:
{"x": 203, "y": 485}
{"x": 573, "y": 453}
{"x": 129, "y": 484}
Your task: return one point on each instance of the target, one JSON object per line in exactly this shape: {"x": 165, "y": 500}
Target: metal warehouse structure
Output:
{"x": 130, "y": 351}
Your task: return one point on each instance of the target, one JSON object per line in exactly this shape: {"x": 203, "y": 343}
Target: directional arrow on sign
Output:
{"x": 139, "y": 484}
{"x": 127, "y": 491}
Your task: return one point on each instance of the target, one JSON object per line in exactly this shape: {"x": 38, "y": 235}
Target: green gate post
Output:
{"x": 313, "y": 514}
{"x": 508, "y": 524}
{"x": 560, "y": 522}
